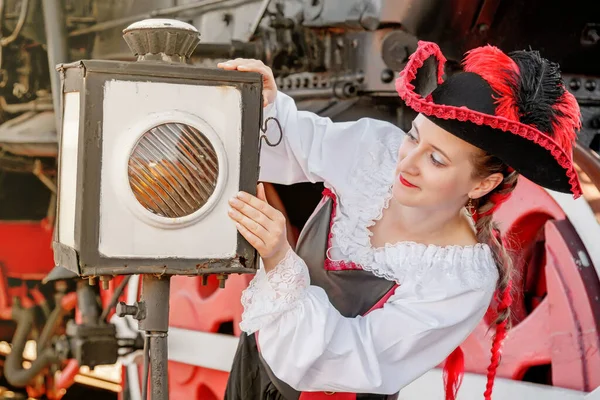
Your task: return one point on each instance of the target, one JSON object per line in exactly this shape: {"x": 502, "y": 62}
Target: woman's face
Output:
{"x": 434, "y": 169}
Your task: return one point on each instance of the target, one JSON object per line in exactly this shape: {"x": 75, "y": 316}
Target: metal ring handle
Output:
{"x": 264, "y": 129}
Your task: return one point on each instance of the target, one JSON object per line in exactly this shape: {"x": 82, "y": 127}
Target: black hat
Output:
{"x": 514, "y": 107}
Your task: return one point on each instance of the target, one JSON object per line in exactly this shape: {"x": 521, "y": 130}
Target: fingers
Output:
{"x": 254, "y": 240}
{"x": 250, "y": 224}
{"x": 252, "y": 65}
{"x": 245, "y": 64}
{"x": 260, "y": 192}
{"x": 260, "y": 205}
{"x": 248, "y": 211}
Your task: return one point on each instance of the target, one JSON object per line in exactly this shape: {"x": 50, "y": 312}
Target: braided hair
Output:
{"x": 528, "y": 89}
{"x": 488, "y": 232}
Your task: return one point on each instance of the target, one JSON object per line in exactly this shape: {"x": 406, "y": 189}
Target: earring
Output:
{"x": 470, "y": 208}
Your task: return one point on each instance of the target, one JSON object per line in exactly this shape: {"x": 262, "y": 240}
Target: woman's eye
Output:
{"x": 437, "y": 161}
{"x": 411, "y": 137}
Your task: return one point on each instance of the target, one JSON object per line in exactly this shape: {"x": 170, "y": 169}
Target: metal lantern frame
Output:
{"x": 89, "y": 78}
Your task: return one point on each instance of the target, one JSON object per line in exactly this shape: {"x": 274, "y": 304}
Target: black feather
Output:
{"x": 538, "y": 88}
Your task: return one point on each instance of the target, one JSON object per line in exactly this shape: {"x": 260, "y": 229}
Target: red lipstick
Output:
{"x": 406, "y": 183}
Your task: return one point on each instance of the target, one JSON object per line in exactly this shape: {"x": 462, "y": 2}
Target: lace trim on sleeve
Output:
{"x": 272, "y": 294}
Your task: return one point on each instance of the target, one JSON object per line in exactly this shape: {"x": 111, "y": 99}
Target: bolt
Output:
{"x": 138, "y": 310}
{"x": 387, "y": 75}
{"x": 222, "y": 278}
{"x": 123, "y": 309}
{"x": 590, "y": 85}
{"x": 204, "y": 280}
{"x": 227, "y": 18}
{"x": 105, "y": 280}
{"x": 575, "y": 84}
{"x": 593, "y": 36}
{"x": 92, "y": 280}
{"x": 60, "y": 286}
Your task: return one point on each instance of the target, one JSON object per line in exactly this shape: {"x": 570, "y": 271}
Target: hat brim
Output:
{"x": 532, "y": 153}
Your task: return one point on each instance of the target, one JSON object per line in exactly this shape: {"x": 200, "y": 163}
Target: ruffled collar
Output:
{"x": 361, "y": 205}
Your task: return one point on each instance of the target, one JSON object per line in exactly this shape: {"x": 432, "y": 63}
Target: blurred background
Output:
{"x": 338, "y": 58}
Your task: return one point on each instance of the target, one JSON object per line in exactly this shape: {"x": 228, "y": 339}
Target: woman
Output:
{"x": 400, "y": 275}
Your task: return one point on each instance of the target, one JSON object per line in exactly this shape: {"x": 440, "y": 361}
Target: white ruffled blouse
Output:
{"x": 443, "y": 294}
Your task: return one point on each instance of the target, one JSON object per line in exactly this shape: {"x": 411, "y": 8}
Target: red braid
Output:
{"x": 501, "y": 331}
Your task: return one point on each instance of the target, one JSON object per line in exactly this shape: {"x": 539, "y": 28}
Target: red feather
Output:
{"x": 568, "y": 121}
{"x": 500, "y": 71}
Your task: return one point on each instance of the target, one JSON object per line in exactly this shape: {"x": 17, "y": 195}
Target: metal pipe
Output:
{"x": 1, "y": 15}
{"x": 115, "y": 297}
{"x": 38, "y": 170}
{"x": 14, "y": 372}
{"x": 87, "y": 303}
{"x": 340, "y": 90}
{"x": 1, "y": 26}
{"x": 228, "y": 50}
{"x": 34, "y": 105}
{"x": 52, "y": 323}
{"x": 158, "y": 353}
{"x": 22, "y": 17}
{"x": 146, "y": 367}
{"x": 199, "y": 6}
{"x": 56, "y": 43}
{"x": 155, "y": 296}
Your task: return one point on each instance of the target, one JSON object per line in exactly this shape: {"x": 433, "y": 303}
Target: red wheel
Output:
{"x": 556, "y": 313}
{"x": 205, "y": 309}
{"x": 197, "y": 308}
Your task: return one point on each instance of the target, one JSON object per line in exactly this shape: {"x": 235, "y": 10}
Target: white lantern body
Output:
{"x": 150, "y": 153}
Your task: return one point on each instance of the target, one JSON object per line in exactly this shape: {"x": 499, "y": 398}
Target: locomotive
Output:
{"x": 337, "y": 58}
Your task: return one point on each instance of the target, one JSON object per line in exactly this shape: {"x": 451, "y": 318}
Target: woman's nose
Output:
{"x": 407, "y": 162}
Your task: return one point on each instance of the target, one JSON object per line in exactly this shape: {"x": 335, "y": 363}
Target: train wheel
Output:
{"x": 194, "y": 307}
{"x": 554, "y": 339}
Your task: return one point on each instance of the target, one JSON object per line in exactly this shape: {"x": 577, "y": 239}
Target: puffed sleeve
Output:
{"x": 311, "y": 347}
{"x": 313, "y": 149}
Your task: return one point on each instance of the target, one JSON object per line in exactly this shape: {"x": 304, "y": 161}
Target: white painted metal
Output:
{"x": 122, "y": 232}
{"x": 68, "y": 170}
{"x": 209, "y": 350}
{"x": 158, "y": 23}
{"x": 430, "y": 387}
{"x": 216, "y": 351}
{"x": 595, "y": 395}
{"x": 584, "y": 221}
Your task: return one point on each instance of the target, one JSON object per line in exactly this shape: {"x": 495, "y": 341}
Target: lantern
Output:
{"x": 150, "y": 153}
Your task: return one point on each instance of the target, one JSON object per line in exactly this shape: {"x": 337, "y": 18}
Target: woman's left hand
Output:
{"x": 262, "y": 225}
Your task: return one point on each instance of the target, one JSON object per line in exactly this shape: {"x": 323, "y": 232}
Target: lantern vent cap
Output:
{"x": 161, "y": 39}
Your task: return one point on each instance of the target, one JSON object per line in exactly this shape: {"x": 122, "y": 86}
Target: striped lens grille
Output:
{"x": 173, "y": 170}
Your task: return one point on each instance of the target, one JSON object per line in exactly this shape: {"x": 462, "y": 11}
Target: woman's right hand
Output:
{"x": 250, "y": 65}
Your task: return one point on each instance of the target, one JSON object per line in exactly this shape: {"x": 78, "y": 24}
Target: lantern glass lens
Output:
{"x": 173, "y": 170}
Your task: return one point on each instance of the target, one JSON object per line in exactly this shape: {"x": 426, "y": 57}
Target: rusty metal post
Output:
{"x": 56, "y": 43}
{"x": 155, "y": 296}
